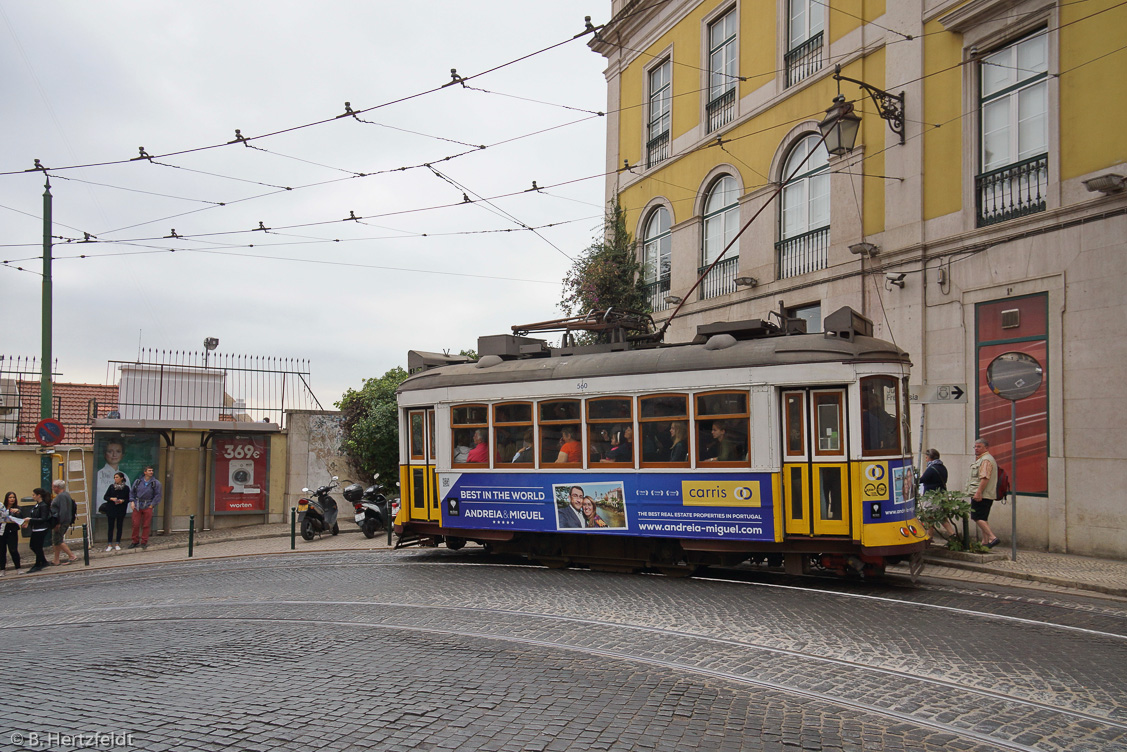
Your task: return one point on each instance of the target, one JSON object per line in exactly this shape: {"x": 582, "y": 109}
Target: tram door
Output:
{"x": 815, "y": 463}
{"x": 421, "y": 494}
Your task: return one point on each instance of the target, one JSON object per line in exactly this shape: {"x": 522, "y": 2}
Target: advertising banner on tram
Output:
{"x": 888, "y": 490}
{"x": 721, "y": 505}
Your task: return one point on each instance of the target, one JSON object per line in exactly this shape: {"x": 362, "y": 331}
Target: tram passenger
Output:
{"x": 524, "y": 454}
{"x": 591, "y": 516}
{"x": 722, "y": 449}
{"x": 623, "y": 450}
{"x": 480, "y": 451}
{"x": 878, "y": 428}
{"x": 570, "y": 449}
{"x": 679, "y": 452}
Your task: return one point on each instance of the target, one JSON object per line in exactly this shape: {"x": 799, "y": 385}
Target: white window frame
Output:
{"x": 659, "y": 98}
{"x": 657, "y": 254}
{"x": 719, "y": 79}
{"x": 991, "y": 26}
{"x": 724, "y": 218}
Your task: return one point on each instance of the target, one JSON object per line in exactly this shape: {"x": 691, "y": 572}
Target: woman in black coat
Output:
{"x": 118, "y": 497}
{"x": 40, "y": 521}
{"x": 934, "y": 477}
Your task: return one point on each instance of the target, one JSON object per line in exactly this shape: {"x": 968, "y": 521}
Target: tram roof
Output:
{"x": 772, "y": 351}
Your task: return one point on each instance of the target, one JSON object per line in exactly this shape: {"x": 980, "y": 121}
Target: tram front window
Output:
{"x": 880, "y": 429}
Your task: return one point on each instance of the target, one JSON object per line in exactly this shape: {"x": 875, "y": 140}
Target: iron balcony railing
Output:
{"x": 657, "y": 149}
{"x": 804, "y": 59}
{"x": 803, "y": 253}
{"x": 1012, "y": 191}
{"x": 721, "y": 280}
{"x": 721, "y": 110}
{"x": 656, "y": 292}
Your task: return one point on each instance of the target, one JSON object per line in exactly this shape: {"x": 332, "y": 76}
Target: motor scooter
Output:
{"x": 319, "y": 513}
{"x": 370, "y": 506}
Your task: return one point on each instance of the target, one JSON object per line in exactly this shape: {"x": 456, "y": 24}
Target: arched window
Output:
{"x": 721, "y": 222}
{"x": 805, "y": 216}
{"x": 656, "y": 249}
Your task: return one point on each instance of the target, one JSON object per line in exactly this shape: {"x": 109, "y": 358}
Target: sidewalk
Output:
{"x": 1107, "y": 576}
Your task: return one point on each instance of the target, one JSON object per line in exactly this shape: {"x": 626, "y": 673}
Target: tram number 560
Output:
{"x": 581, "y": 386}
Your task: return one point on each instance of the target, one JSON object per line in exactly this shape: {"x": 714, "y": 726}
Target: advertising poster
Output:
{"x": 736, "y": 505}
{"x": 126, "y": 453}
{"x": 888, "y": 491}
{"x": 240, "y": 474}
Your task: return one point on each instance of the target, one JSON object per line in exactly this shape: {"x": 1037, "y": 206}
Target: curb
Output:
{"x": 1027, "y": 577}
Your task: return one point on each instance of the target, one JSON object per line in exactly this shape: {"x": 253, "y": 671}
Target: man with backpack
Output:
{"x": 982, "y": 487}
{"x": 63, "y": 509}
{"x": 147, "y": 493}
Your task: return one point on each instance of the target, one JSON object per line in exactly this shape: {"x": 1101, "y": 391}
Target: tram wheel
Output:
{"x": 554, "y": 563}
{"x": 455, "y": 544}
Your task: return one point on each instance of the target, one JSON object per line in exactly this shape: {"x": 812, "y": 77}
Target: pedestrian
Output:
{"x": 62, "y": 509}
{"x": 10, "y": 538}
{"x": 934, "y": 478}
{"x": 117, "y": 496}
{"x": 982, "y": 487}
{"x": 40, "y": 523}
{"x": 146, "y": 495}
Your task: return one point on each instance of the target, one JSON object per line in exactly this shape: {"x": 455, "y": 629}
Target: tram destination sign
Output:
{"x": 939, "y": 394}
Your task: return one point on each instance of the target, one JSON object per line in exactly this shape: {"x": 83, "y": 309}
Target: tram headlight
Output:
{"x": 904, "y": 531}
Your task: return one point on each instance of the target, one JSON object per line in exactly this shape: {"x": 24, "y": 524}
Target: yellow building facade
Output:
{"x": 981, "y": 211}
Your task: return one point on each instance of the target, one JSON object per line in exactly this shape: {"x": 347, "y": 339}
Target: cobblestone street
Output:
{"x": 429, "y": 649}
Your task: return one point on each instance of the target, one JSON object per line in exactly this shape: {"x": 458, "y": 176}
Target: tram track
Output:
{"x": 633, "y": 657}
{"x": 733, "y": 577}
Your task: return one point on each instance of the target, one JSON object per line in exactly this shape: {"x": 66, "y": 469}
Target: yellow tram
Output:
{"x": 756, "y": 441}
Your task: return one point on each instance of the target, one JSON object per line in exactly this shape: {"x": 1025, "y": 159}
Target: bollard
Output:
{"x": 293, "y": 528}
{"x": 85, "y": 545}
{"x": 191, "y": 533}
{"x": 966, "y": 532}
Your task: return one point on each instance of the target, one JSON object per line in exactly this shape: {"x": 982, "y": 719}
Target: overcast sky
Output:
{"x": 91, "y": 82}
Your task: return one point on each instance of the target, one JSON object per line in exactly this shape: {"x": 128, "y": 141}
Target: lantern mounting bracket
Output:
{"x": 889, "y": 106}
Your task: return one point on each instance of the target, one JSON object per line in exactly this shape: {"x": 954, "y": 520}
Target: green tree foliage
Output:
{"x": 371, "y": 425}
{"x": 607, "y": 274}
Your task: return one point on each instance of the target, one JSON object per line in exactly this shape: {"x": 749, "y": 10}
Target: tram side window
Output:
{"x": 610, "y": 430}
{"x": 470, "y": 434}
{"x": 512, "y": 433}
{"x": 416, "y": 417}
{"x": 722, "y": 428}
{"x": 880, "y": 429}
{"x": 560, "y": 435}
{"x": 664, "y": 424}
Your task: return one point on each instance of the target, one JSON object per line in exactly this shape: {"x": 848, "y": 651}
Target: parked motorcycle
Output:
{"x": 371, "y": 507}
{"x": 318, "y": 513}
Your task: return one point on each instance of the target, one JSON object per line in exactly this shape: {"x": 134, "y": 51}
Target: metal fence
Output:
{"x": 721, "y": 110}
{"x": 185, "y": 385}
{"x": 804, "y": 60}
{"x": 721, "y": 280}
{"x": 803, "y": 253}
{"x": 19, "y": 407}
{"x": 1012, "y": 191}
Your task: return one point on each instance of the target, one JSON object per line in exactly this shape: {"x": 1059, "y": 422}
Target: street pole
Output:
{"x": 45, "y": 395}
{"x": 1013, "y": 480}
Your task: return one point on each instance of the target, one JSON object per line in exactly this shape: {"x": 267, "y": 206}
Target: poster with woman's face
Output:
{"x": 127, "y": 453}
